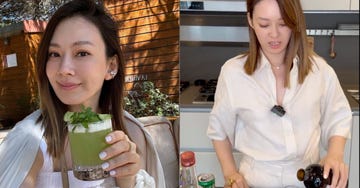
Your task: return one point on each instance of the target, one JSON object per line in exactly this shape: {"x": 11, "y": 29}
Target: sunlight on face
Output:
{"x": 77, "y": 63}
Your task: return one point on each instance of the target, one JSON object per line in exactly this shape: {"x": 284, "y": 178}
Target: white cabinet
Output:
{"x": 354, "y": 157}
{"x": 193, "y": 126}
{"x": 354, "y": 5}
{"x": 326, "y": 4}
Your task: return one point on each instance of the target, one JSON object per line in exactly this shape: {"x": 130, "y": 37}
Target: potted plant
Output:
{"x": 146, "y": 100}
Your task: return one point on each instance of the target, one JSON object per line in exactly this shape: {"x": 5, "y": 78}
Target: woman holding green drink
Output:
{"x": 80, "y": 69}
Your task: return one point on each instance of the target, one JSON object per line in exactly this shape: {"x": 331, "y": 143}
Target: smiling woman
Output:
{"x": 79, "y": 64}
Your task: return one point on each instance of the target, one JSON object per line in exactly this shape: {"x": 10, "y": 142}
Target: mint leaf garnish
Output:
{"x": 84, "y": 118}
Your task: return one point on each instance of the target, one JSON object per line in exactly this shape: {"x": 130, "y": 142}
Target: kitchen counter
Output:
{"x": 188, "y": 95}
{"x": 353, "y": 103}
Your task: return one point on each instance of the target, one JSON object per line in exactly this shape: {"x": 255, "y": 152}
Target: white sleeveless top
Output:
{"x": 48, "y": 178}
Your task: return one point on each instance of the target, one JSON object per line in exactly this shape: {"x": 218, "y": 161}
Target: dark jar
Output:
{"x": 313, "y": 176}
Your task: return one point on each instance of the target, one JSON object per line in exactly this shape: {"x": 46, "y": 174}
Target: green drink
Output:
{"x": 87, "y": 140}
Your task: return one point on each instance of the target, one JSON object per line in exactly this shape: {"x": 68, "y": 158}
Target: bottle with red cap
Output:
{"x": 187, "y": 175}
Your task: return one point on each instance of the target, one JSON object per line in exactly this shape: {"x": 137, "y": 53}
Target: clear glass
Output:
{"x": 85, "y": 145}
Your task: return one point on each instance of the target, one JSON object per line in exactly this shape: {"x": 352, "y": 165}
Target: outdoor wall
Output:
{"x": 18, "y": 89}
{"x": 149, "y": 35}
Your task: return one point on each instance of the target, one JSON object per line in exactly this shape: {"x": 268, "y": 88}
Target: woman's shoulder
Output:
{"x": 236, "y": 60}
{"x": 235, "y": 63}
{"x": 320, "y": 65}
{"x": 28, "y": 125}
{"x": 15, "y": 149}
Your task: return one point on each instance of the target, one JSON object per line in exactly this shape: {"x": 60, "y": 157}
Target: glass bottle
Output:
{"x": 187, "y": 174}
{"x": 313, "y": 176}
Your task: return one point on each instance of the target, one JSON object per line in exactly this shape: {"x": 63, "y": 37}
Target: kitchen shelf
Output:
{"x": 329, "y": 32}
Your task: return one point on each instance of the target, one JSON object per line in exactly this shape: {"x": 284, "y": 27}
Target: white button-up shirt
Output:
{"x": 315, "y": 111}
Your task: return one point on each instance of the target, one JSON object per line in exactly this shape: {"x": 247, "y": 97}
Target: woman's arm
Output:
{"x": 30, "y": 179}
{"x": 334, "y": 160}
{"x": 224, "y": 154}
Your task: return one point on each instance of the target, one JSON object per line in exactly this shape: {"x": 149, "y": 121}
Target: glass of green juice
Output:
{"x": 86, "y": 142}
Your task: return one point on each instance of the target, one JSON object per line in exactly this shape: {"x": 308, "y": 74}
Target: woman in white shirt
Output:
{"x": 79, "y": 62}
{"x": 277, "y": 103}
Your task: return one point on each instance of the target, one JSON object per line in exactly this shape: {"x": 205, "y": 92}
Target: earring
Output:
{"x": 113, "y": 73}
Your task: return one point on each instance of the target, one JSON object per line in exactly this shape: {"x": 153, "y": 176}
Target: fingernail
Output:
{"x": 108, "y": 138}
{"x": 112, "y": 173}
{"x": 102, "y": 155}
{"x": 105, "y": 165}
{"x": 325, "y": 176}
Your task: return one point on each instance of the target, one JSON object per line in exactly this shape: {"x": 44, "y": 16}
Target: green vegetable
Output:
{"x": 85, "y": 117}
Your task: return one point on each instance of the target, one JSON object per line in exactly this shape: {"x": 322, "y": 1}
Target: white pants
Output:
{"x": 271, "y": 174}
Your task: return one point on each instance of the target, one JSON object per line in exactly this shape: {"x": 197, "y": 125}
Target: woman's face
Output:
{"x": 77, "y": 64}
{"x": 272, "y": 32}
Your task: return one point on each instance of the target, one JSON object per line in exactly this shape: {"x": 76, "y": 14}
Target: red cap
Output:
{"x": 187, "y": 158}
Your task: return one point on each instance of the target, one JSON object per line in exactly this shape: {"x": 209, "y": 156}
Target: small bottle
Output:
{"x": 187, "y": 174}
{"x": 206, "y": 180}
{"x": 313, "y": 176}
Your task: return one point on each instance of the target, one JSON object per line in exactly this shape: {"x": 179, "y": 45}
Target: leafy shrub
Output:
{"x": 146, "y": 100}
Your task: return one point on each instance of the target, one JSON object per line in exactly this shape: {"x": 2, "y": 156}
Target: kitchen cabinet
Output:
{"x": 327, "y": 4}
{"x": 354, "y": 5}
{"x": 354, "y": 158}
{"x": 193, "y": 126}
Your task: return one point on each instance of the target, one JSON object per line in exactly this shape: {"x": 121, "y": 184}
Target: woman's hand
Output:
{"x": 334, "y": 161}
{"x": 339, "y": 170}
{"x": 121, "y": 158}
{"x": 236, "y": 180}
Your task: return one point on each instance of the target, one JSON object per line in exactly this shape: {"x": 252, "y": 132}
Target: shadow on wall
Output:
{"x": 149, "y": 36}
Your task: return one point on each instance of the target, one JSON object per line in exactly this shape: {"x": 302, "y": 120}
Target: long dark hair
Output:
{"x": 111, "y": 97}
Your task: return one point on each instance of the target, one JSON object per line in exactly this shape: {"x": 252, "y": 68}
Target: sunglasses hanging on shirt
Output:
{"x": 278, "y": 110}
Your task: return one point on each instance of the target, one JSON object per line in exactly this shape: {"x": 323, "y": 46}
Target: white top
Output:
{"x": 315, "y": 109}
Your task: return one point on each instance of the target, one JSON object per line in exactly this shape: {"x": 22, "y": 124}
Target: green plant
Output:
{"x": 146, "y": 100}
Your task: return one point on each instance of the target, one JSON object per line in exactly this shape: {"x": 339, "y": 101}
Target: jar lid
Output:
{"x": 187, "y": 158}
